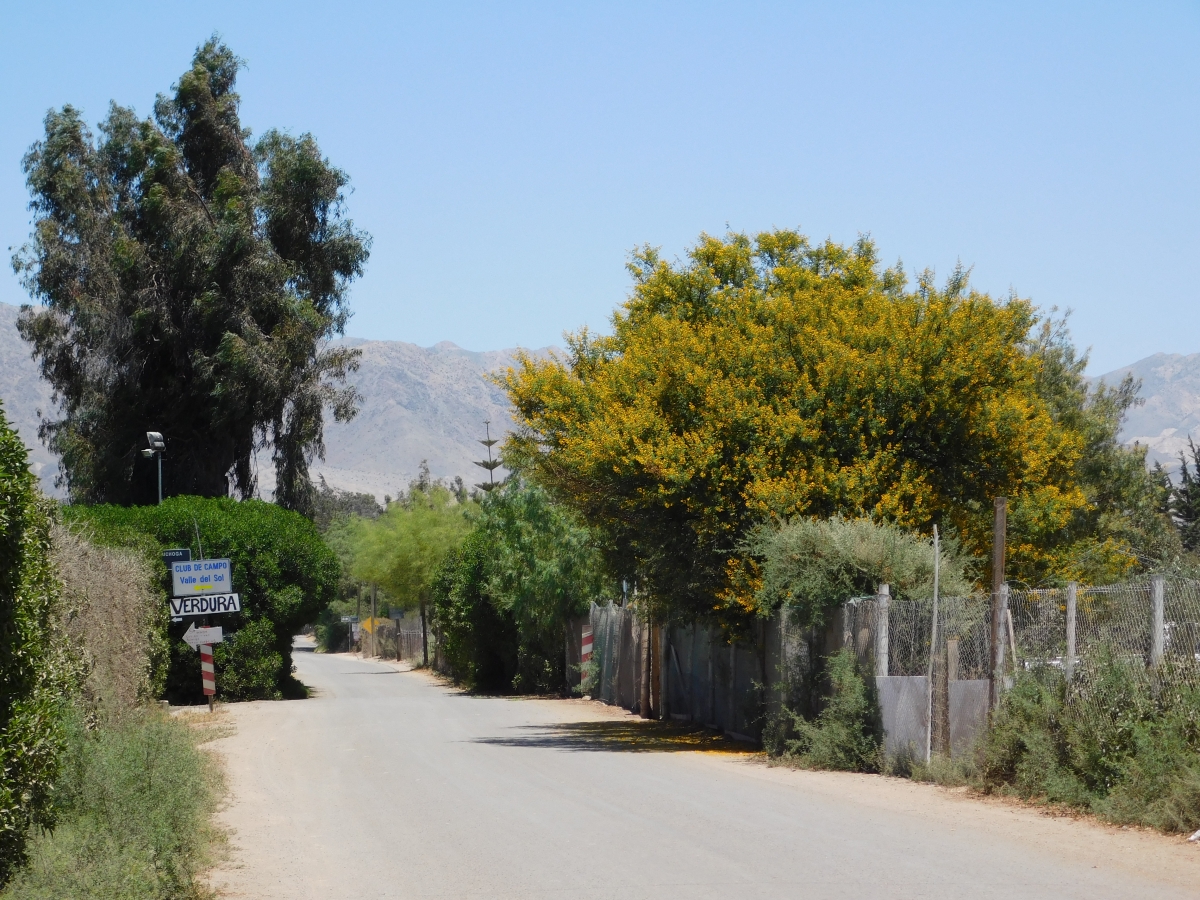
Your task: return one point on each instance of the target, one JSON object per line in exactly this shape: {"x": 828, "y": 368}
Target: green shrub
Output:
{"x": 282, "y": 569}
{"x": 35, "y": 672}
{"x": 847, "y": 733}
{"x": 1115, "y": 742}
{"x": 132, "y": 807}
{"x": 479, "y": 642}
{"x": 813, "y": 565}
{"x": 333, "y": 635}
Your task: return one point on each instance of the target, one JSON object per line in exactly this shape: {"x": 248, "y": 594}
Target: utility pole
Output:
{"x": 999, "y": 533}
{"x": 157, "y": 447}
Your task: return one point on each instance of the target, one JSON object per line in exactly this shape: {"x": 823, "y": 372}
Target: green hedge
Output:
{"x": 35, "y": 675}
{"x": 282, "y": 569}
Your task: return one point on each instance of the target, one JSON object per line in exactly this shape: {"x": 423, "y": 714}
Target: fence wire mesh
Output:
{"x": 1152, "y": 627}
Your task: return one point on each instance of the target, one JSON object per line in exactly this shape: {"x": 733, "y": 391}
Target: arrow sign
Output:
{"x": 194, "y": 636}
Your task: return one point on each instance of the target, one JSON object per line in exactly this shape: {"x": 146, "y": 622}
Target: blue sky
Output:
{"x": 506, "y": 157}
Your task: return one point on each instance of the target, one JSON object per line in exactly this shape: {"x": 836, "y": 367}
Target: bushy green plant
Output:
{"x": 282, "y": 569}
{"x": 525, "y": 571}
{"x": 1116, "y": 742}
{"x": 35, "y": 672}
{"x": 332, "y": 634}
{"x": 814, "y": 565}
{"x": 479, "y": 641}
{"x": 847, "y": 733}
{"x": 589, "y": 677}
{"x": 132, "y": 807}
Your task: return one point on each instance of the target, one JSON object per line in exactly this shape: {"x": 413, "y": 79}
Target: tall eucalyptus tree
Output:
{"x": 189, "y": 282}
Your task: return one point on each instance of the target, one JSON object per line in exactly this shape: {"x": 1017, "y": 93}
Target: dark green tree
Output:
{"x": 1185, "y": 499}
{"x": 190, "y": 282}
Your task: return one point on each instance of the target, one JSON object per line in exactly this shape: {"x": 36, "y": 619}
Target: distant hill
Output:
{"x": 419, "y": 403}
{"x": 431, "y": 402}
{"x": 1171, "y": 407}
{"x": 24, "y": 393}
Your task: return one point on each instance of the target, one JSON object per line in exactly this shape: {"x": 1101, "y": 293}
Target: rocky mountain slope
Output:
{"x": 430, "y": 403}
{"x": 419, "y": 403}
{"x": 1171, "y": 408}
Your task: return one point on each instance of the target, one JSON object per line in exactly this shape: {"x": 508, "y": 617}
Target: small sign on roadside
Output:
{"x": 206, "y": 606}
{"x": 202, "y": 576}
{"x": 347, "y": 620}
{"x": 194, "y": 636}
{"x": 177, "y": 554}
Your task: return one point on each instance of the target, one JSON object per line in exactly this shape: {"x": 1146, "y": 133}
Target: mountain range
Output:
{"x": 431, "y": 404}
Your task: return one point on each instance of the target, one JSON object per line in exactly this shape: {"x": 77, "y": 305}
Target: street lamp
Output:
{"x": 157, "y": 447}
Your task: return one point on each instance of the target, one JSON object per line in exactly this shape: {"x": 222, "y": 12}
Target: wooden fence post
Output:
{"x": 664, "y": 672}
{"x": 712, "y": 684}
{"x": 732, "y": 687}
{"x": 883, "y": 599}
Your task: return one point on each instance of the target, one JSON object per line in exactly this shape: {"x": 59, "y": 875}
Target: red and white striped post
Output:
{"x": 586, "y": 647}
{"x": 208, "y": 675}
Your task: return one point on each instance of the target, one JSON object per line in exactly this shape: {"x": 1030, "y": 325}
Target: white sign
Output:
{"x": 206, "y": 606}
{"x": 194, "y": 636}
{"x": 201, "y": 576}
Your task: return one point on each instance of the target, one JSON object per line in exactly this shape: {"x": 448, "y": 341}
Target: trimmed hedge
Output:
{"x": 283, "y": 570}
{"x": 36, "y": 674}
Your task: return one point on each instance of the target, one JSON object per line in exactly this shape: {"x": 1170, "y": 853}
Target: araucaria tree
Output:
{"x": 190, "y": 282}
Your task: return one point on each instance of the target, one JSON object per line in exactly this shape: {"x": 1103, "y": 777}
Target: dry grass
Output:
{"x": 109, "y": 607}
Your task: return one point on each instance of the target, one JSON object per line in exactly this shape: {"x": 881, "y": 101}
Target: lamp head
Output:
{"x": 147, "y": 453}
{"x": 155, "y": 439}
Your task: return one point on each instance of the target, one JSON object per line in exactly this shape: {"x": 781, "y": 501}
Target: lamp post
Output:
{"x": 157, "y": 447}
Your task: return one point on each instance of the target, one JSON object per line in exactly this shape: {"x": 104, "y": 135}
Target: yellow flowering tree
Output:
{"x": 771, "y": 378}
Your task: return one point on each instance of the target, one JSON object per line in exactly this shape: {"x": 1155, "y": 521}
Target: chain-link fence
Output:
{"x": 933, "y": 663}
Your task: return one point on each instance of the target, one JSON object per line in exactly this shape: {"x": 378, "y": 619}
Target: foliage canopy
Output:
{"x": 401, "y": 549}
{"x": 190, "y": 282}
{"x": 771, "y": 379}
{"x": 813, "y": 565}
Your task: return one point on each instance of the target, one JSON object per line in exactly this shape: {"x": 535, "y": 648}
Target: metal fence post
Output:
{"x": 1069, "y": 666}
{"x": 999, "y": 601}
{"x": 883, "y": 599}
{"x": 1158, "y": 623}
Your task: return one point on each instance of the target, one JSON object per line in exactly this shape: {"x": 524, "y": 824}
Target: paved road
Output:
{"x": 389, "y": 785}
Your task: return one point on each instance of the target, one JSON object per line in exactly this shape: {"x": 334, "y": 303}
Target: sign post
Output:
{"x": 208, "y": 675}
{"x": 202, "y": 588}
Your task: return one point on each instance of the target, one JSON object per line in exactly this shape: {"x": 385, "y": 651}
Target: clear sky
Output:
{"x": 506, "y": 157}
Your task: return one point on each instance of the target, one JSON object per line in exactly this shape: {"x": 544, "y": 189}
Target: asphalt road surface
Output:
{"x": 388, "y": 784}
